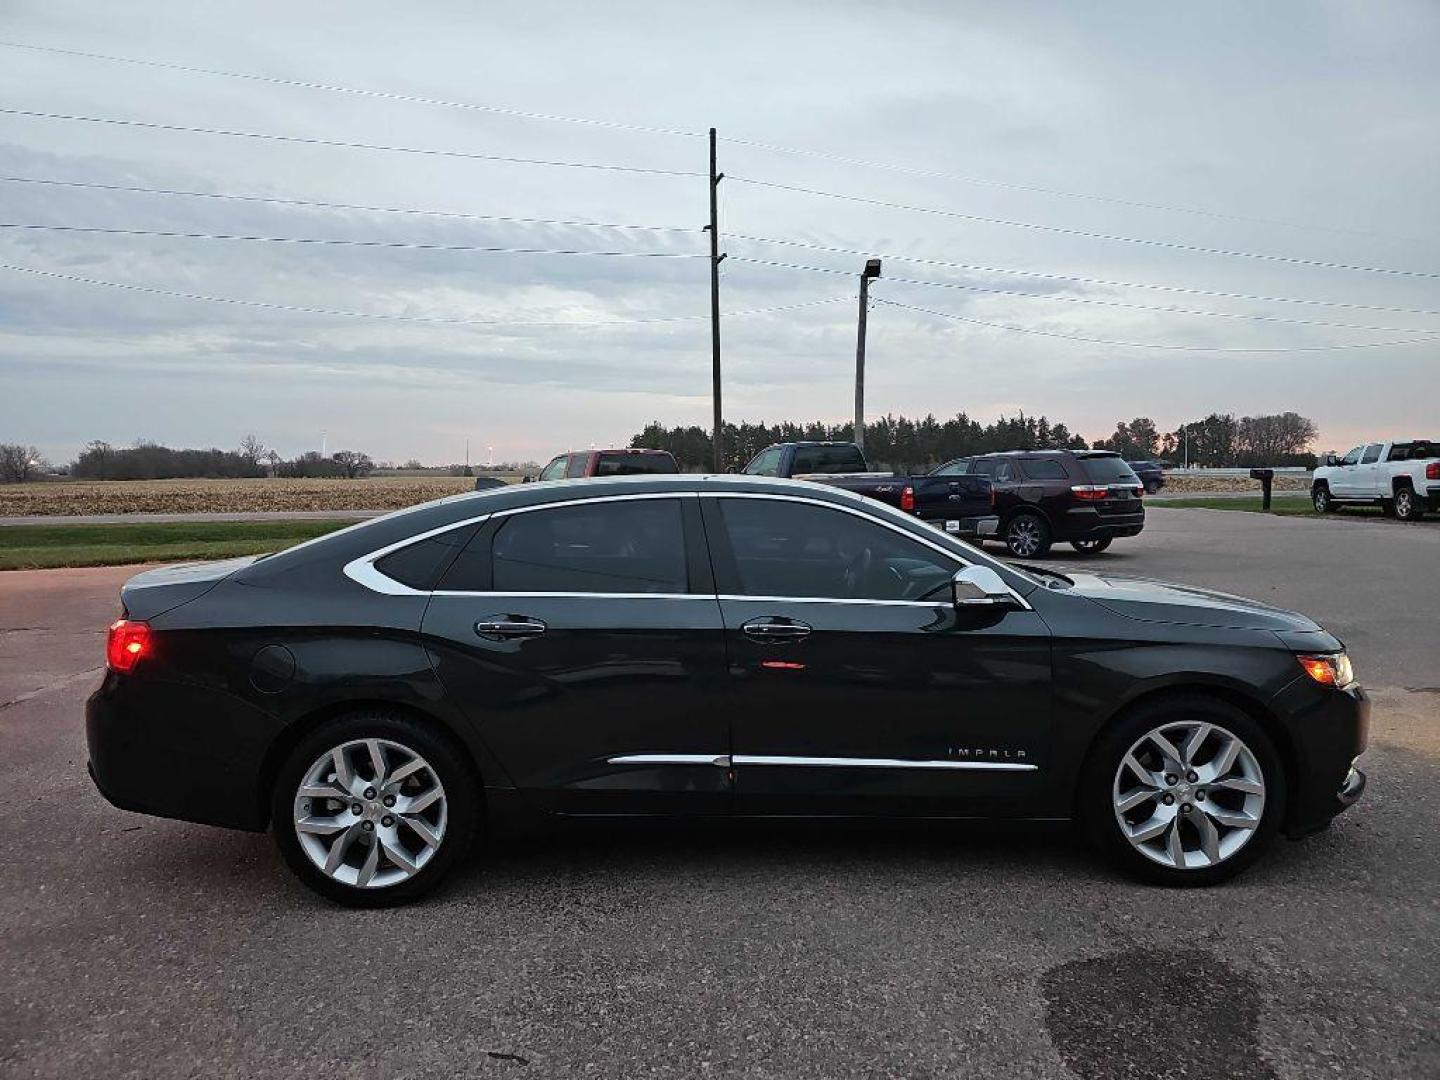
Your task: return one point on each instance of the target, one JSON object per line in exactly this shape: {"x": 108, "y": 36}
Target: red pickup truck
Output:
{"x": 609, "y": 463}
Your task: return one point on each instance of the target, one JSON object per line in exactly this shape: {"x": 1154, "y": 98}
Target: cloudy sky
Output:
{"x": 1301, "y": 132}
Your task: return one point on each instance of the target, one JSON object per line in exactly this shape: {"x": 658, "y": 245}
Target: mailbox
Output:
{"x": 1267, "y": 479}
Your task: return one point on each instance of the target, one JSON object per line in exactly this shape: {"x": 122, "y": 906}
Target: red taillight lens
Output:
{"x": 1432, "y": 471}
{"x": 907, "y": 499}
{"x": 1090, "y": 492}
{"x": 126, "y": 644}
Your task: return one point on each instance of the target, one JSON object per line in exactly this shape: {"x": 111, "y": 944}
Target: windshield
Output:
{"x": 1108, "y": 470}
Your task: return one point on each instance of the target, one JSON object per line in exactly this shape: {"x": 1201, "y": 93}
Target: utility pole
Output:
{"x": 872, "y": 270}
{"x": 716, "y": 258}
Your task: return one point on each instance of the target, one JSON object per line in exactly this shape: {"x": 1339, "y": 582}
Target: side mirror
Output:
{"x": 1331, "y": 460}
{"x": 980, "y": 586}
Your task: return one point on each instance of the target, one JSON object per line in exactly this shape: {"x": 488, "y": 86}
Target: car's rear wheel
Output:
{"x": 1027, "y": 536}
{"x": 374, "y": 809}
{"x": 1320, "y": 497}
{"x": 1186, "y": 790}
{"x": 1091, "y": 547}
{"x": 1407, "y": 506}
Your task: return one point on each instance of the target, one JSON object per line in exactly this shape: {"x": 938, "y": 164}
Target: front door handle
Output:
{"x": 771, "y": 629}
{"x": 500, "y": 627}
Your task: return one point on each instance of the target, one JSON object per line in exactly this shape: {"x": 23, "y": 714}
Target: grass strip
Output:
{"x": 37, "y": 547}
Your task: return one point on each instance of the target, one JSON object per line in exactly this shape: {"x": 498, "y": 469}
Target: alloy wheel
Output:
{"x": 1024, "y": 537}
{"x": 1404, "y": 504}
{"x": 370, "y": 813}
{"x": 1189, "y": 795}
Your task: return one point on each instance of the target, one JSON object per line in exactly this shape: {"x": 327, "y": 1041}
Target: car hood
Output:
{"x": 1163, "y": 602}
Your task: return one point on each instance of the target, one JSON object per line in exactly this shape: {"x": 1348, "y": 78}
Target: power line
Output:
{"x": 1149, "y": 344}
{"x": 309, "y": 141}
{"x": 654, "y": 130}
{"x": 1098, "y": 301}
{"x": 1172, "y": 245}
{"x": 932, "y": 174}
{"x": 301, "y": 309}
{"x": 386, "y": 95}
{"x": 395, "y": 244}
{"x": 1078, "y": 279}
{"x": 319, "y": 205}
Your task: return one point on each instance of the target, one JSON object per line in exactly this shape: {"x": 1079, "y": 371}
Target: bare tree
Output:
{"x": 252, "y": 450}
{"x": 18, "y": 463}
{"x": 353, "y": 463}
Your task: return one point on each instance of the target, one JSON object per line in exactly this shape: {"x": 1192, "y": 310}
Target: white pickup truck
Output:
{"x": 1403, "y": 477}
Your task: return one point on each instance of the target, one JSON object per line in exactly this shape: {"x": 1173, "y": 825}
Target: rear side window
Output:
{"x": 1045, "y": 469}
{"x": 577, "y": 465}
{"x": 828, "y": 459}
{"x": 984, "y": 467}
{"x": 1108, "y": 470}
{"x": 628, "y": 546}
{"x": 634, "y": 464}
{"x": 1372, "y": 454}
{"x": 420, "y": 563}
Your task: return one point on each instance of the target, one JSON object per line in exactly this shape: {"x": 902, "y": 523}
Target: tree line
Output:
{"x": 906, "y": 445}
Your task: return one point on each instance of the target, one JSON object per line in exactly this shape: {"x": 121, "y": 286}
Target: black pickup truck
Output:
{"x": 961, "y": 505}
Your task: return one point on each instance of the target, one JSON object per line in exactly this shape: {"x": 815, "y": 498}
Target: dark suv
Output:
{"x": 1087, "y": 497}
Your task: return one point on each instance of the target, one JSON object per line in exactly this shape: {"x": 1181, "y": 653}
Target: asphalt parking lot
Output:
{"x": 132, "y": 946}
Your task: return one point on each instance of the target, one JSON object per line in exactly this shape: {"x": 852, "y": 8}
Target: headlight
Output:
{"x": 1328, "y": 669}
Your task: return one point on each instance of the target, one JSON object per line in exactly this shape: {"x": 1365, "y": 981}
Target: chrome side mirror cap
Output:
{"x": 980, "y": 586}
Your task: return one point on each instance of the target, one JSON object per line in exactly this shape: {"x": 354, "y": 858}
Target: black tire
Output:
{"x": 447, "y": 764}
{"x": 1407, "y": 505}
{"x": 1320, "y": 498}
{"x": 1027, "y": 536}
{"x": 1091, "y": 547}
{"x": 1096, "y": 796}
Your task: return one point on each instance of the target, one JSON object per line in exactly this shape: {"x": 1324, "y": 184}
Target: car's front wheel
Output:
{"x": 1320, "y": 496}
{"x": 374, "y": 809}
{"x": 1186, "y": 790}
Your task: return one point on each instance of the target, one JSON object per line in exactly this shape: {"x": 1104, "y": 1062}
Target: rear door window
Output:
{"x": 1045, "y": 469}
{"x": 576, "y": 468}
{"x": 1372, "y": 454}
{"x": 828, "y": 459}
{"x": 620, "y": 546}
{"x": 1108, "y": 470}
{"x": 984, "y": 467}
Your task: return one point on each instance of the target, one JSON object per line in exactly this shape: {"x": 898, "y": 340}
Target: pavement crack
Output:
{"x": 58, "y": 684}
{"x": 500, "y": 1055}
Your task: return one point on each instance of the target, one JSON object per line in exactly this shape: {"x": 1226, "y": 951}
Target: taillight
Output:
{"x": 907, "y": 499}
{"x": 1432, "y": 471}
{"x": 126, "y": 644}
{"x": 1090, "y": 492}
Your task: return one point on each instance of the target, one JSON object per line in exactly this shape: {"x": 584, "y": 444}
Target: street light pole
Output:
{"x": 872, "y": 270}
{"x": 716, "y": 258}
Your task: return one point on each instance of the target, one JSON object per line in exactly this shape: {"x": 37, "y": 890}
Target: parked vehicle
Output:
{"x": 627, "y": 462}
{"x": 1402, "y": 477}
{"x": 1086, "y": 497}
{"x": 961, "y": 505}
{"x": 1151, "y": 474}
{"x": 683, "y": 646}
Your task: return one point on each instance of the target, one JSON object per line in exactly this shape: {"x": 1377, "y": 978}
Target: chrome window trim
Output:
{"x": 362, "y": 570}
{"x": 832, "y": 600}
{"x": 583, "y": 595}
{"x": 720, "y": 760}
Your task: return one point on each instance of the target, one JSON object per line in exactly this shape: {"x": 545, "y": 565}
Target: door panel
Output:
{"x": 585, "y": 642}
{"x": 858, "y": 703}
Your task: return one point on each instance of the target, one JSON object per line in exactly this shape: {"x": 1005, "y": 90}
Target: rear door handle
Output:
{"x": 770, "y": 629}
{"x": 507, "y": 626}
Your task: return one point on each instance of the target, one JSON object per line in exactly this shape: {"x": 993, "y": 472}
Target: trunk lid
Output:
{"x": 154, "y": 592}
